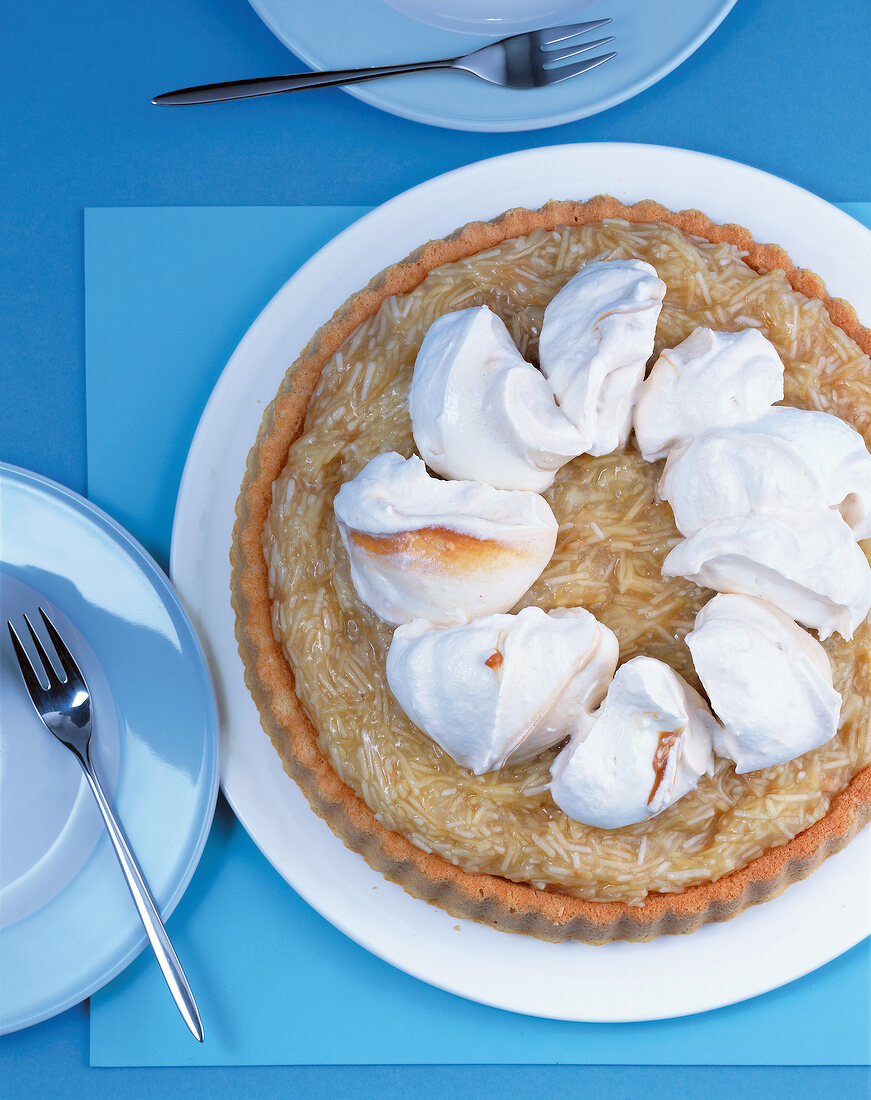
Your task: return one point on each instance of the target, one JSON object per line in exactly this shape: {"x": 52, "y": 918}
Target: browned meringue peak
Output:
{"x": 446, "y": 551}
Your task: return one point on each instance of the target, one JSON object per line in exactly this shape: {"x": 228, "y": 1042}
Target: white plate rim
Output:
{"x": 382, "y": 100}
{"x": 200, "y": 832}
{"x": 727, "y": 191}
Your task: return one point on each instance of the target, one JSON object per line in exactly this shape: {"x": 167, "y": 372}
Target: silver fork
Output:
{"x": 65, "y": 708}
{"x": 522, "y": 61}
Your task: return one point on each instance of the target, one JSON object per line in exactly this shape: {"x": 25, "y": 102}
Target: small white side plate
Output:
{"x": 67, "y": 922}
{"x": 652, "y": 37}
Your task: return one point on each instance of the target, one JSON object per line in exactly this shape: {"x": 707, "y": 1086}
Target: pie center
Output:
{"x": 613, "y": 537}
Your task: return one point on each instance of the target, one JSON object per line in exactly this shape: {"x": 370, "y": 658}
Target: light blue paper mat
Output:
{"x": 169, "y": 292}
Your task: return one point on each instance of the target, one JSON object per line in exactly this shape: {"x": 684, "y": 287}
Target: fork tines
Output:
{"x": 552, "y": 59}
{"x": 551, "y": 35}
{"x": 28, "y": 669}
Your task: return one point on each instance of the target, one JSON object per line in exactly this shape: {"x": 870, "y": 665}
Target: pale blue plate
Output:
{"x": 652, "y": 37}
{"x": 67, "y": 923}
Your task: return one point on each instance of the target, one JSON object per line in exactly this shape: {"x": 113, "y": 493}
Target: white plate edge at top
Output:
{"x": 739, "y": 958}
{"x": 414, "y": 35}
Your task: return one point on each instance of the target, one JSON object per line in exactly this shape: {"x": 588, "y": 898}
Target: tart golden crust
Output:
{"x": 496, "y": 901}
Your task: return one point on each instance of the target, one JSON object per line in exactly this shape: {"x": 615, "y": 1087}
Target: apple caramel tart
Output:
{"x": 495, "y": 846}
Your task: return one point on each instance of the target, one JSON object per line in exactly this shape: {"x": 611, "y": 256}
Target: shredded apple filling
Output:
{"x": 613, "y": 537}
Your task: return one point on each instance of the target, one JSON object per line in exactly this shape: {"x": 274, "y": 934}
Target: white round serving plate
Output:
{"x": 651, "y": 37}
{"x": 811, "y": 923}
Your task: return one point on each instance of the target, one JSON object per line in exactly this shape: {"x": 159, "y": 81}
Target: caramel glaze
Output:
{"x": 494, "y": 661}
{"x": 667, "y": 741}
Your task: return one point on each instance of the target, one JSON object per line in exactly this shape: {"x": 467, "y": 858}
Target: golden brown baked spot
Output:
{"x": 436, "y": 548}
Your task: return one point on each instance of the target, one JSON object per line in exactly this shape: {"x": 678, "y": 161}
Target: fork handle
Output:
{"x": 159, "y": 940}
{"x": 269, "y": 85}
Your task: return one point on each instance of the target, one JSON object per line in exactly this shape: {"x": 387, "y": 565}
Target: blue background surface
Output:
{"x": 782, "y": 85}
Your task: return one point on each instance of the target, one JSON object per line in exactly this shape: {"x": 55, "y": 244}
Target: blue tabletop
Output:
{"x": 784, "y": 85}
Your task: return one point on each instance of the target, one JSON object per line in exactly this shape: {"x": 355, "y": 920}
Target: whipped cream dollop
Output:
{"x": 710, "y": 380}
{"x": 480, "y": 412}
{"x": 805, "y": 562}
{"x": 834, "y": 455}
{"x": 734, "y": 472}
{"x": 447, "y": 551}
{"x": 503, "y": 688}
{"x": 595, "y": 340}
{"x": 646, "y": 746}
{"x": 769, "y": 682}
{"x": 788, "y": 458}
